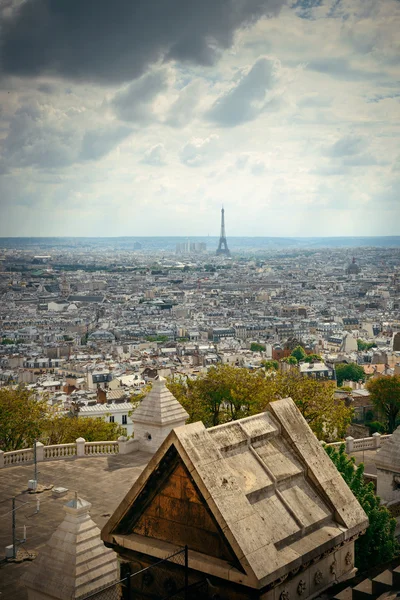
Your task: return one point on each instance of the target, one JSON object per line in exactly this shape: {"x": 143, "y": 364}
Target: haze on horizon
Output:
{"x": 142, "y": 118}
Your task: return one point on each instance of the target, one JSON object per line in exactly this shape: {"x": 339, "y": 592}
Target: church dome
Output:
{"x": 353, "y": 268}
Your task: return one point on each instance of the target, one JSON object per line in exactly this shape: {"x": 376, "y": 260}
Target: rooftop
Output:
{"x": 101, "y": 480}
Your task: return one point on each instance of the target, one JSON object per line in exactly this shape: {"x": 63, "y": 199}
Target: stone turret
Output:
{"x": 158, "y": 413}
{"x": 74, "y": 562}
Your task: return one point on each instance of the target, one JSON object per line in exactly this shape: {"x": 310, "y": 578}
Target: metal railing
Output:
{"x": 165, "y": 579}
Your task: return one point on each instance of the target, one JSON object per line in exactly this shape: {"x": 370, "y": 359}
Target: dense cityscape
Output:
{"x": 199, "y": 300}
{"x": 92, "y": 325}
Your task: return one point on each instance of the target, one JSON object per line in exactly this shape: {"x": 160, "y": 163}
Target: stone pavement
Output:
{"x": 368, "y": 457}
{"x": 102, "y": 480}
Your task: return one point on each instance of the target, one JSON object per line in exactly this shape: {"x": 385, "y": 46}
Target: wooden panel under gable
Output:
{"x": 178, "y": 514}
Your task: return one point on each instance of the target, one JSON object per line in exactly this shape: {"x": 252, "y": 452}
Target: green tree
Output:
{"x": 226, "y": 393}
{"x": 385, "y": 395}
{"x": 22, "y": 418}
{"x": 255, "y": 347}
{"x": 313, "y": 358}
{"x": 270, "y": 365}
{"x": 290, "y": 360}
{"x": 362, "y": 345}
{"x": 64, "y": 429}
{"x": 378, "y": 544}
{"x": 349, "y": 372}
{"x": 327, "y": 416}
{"x": 299, "y": 353}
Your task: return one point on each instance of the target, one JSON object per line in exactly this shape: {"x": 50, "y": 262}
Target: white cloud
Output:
{"x": 156, "y": 155}
{"x": 199, "y": 151}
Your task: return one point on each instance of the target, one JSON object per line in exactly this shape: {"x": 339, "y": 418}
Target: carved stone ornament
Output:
{"x": 349, "y": 558}
{"x": 318, "y": 577}
{"x": 301, "y": 588}
{"x": 284, "y": 595}
{"x": 333, "y": 567}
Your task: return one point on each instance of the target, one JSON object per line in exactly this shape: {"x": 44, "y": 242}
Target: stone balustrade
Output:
{"x": 78, "y": 449}
{"x": 101, "y": 448}
{"x": 16, "y": 457}
{"x": 358, "y": 445}
{"x": 81, "y": 448}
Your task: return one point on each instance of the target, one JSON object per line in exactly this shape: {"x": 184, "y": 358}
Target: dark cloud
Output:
{"x": 249, "y": 97}
{"x": 117, "y": 41}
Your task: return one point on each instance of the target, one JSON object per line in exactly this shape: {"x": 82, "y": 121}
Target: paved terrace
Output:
{"x": 102, "y": 480}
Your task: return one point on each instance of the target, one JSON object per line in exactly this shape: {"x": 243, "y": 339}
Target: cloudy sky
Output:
{"x": 131, "y": 117}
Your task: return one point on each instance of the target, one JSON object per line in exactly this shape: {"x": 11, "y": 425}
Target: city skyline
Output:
{"x": 285, "y": 113}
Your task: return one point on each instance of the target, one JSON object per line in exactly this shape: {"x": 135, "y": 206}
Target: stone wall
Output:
{"x": 387, "y": 487}
{"x": 337, "y": 566}
{"x": 150, "y": 437}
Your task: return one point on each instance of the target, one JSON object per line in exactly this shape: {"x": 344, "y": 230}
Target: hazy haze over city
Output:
{"x": 132, "y": 118}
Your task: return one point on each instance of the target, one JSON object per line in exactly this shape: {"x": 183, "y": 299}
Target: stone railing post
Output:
{"x": 1, "y": 459}
{"x": 80, "y": 447}
{"x": 122, "y": 444}
{"x": 377, "y": 439}
{"x": 39, "y": 451}
{"x": 349, "y": 444}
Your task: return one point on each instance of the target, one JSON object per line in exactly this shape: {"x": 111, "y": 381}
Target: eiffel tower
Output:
{"x": 223, "y": 249}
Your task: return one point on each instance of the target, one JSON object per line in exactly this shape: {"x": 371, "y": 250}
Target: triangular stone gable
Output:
{"x": 170, "y": 508}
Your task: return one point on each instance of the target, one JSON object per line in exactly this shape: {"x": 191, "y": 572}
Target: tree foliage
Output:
{"x": 24, "y": 419}
{"x": 349, "y": 372}
{"x": 21, "y": 418}
{"x": 313, "y": 358}
{"x": 362, "y": 345}
{"x": 255, "y": 347}
{"x": 299, "y": 353}
{"x": 290, "y": 360}
{"x": 226, "y": 393}
{"x": 327, "y": 416}
{"x": 64, "y": 429}
{"x": 385, "y": 395}
{"x": 270, "y": 365}
{"x": 378, "y": 545}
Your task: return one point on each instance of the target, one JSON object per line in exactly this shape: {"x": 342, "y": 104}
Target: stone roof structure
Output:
{"x": 74, "y": 562}
{"x": 159, "y": 407}
{"x": 255, "y": 500}
{"x": 388, "y": 457}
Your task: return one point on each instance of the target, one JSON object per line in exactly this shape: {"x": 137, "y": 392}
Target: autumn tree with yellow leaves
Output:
{"x": 226, "y": 393}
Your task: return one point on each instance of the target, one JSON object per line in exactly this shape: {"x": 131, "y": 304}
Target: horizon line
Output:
{"x": 291, "y": 237}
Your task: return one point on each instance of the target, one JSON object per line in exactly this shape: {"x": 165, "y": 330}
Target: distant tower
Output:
{"x": 223, "y": 249}
{"x": 64, "y": 287}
